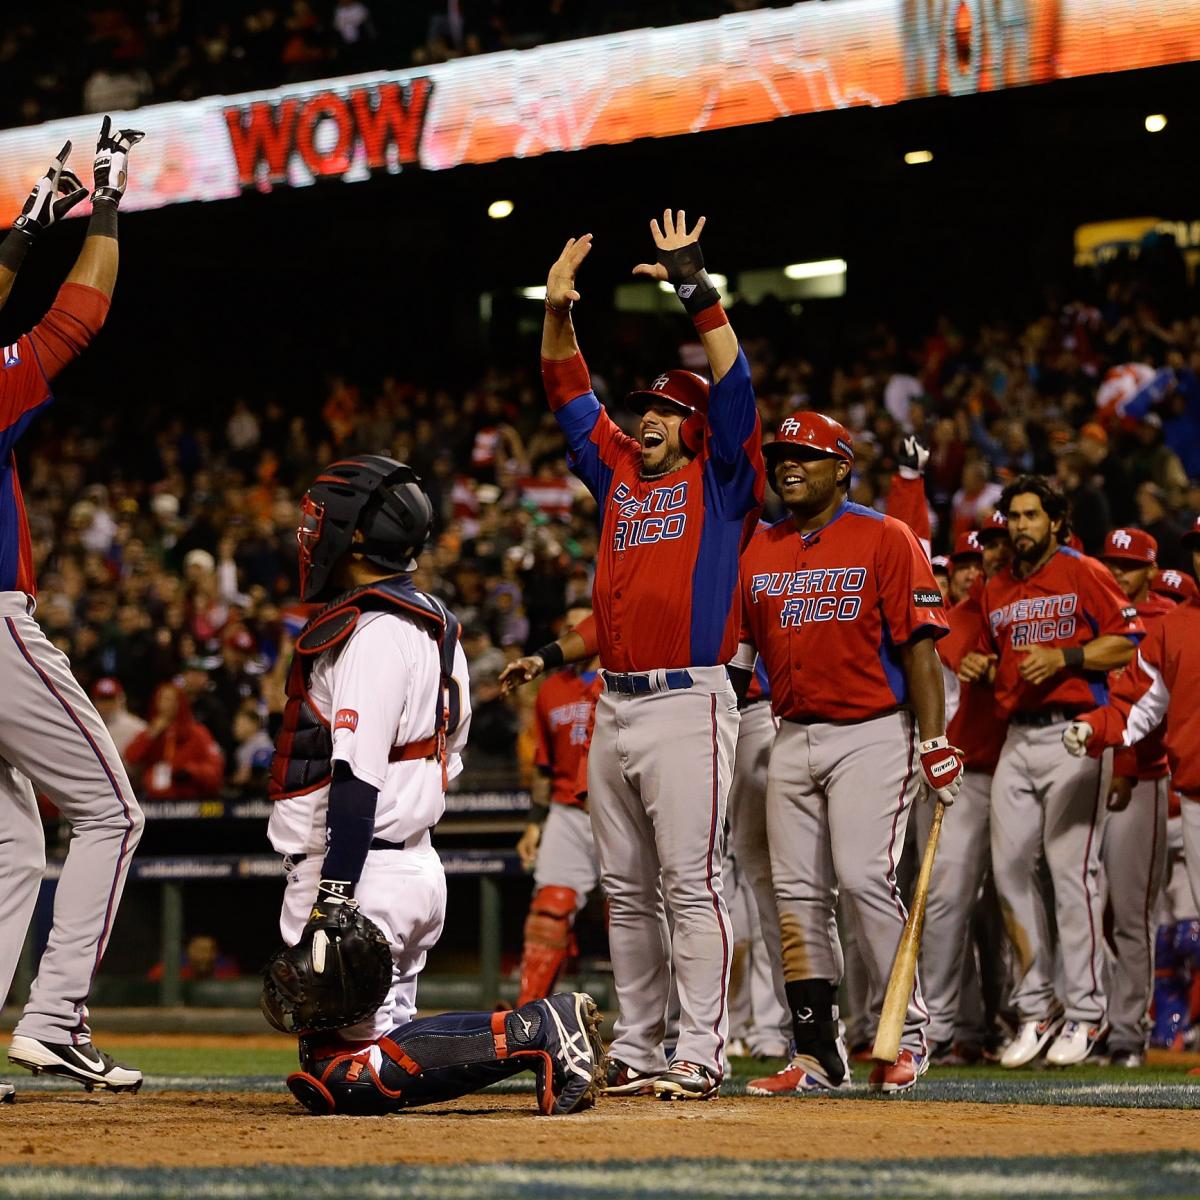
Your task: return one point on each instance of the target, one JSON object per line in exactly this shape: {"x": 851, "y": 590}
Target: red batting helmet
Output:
{"x": 686, "y": 391}
{"x": 808, "y": 431}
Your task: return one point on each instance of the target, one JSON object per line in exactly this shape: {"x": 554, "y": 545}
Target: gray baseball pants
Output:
{"x": 659, "y": 771}
{"x": 838, "y": 799}
{"x": 52, "y": 739}
{"x": 964, "y": 847}
{"x": 1134, "y": 854}
{"x": 1044, "y": 802}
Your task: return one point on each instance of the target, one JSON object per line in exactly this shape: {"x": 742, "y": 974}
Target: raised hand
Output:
{"x": 679, "y": 256}
{"x": 516, "y": 674}
{"x": 53, "y": 196}
{"x": 560, "y": 283}
{"x": 110, "y": 169}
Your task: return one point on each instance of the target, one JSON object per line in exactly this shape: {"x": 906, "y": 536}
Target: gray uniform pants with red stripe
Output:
{"x": 659, "y": 770}
{"x": 52, "y": 739}
{"x": 1046, "y": 803}
{"x": 838, "y": 800}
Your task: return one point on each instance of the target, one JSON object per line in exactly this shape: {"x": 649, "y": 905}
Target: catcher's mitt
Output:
{"x": 337, "y": 974}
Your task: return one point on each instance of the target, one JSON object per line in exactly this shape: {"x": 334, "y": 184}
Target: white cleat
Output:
{"x": 1076, "y": 1041}
{"x": 1032, "y": 1038}
{"x": 83, "y": 1063}
{"x": 8, "y": 1093}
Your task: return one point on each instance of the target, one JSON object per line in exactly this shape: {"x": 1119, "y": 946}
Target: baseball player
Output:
{"x": 1175, "y": 586}
{"x": 677, "y": 504}
{"x": 1133, "y": 850}
{"x": 841, "y": 604}
{"x": 1054, "y": 624}
{"x": 1161, "y": 684}
{"x": 377, "y": 714}
{"x": 557, "y": 843}
{"x": 51, "y": 737}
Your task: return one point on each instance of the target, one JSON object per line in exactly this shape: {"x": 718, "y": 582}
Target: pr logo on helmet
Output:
{"x": 791, "y": 426}
{"x": 660, "y": 384}
{"x": 1121, "y": 539}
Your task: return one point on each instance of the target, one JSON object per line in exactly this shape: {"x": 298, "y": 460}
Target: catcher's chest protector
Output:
{"x": 304, "y": 746}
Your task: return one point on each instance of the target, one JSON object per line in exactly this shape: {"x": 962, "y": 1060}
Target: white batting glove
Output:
{"x": 912, "y": 458}
{"x": 1076, "y": 737}
{"x": 942, "y": 767}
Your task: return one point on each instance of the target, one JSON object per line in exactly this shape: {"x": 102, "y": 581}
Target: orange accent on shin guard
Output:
{"x": 499, "y": 1036}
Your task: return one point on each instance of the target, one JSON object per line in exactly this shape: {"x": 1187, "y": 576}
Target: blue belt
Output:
{"x": 643, "y": 684}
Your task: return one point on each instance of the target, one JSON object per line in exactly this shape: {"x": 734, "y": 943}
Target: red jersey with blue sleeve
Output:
{"x": 829, "y": 611}
{"x": 28, "y": 366}
{"x": 1069, "y": 600}
{"x": 665, "y": 593}
{"x": 563, "y": 716}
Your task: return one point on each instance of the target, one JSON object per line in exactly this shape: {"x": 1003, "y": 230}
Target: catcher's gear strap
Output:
{"x": 304, "y": 746}
{"x": 554, "y": 901}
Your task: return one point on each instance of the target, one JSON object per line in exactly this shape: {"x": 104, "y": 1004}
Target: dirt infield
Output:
{"x": 207, "y": 1129}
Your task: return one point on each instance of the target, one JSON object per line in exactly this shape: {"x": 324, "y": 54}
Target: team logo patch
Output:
{"x": 346, "y": 718}
{"x": 1121, "y": 539}
{"x": 12, "y": 355}
{"x": 927, "y": 598}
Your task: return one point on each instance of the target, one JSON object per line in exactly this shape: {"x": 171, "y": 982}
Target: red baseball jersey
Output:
{"x": 563, "y": 724}
{"x": 828, "y": 612}
{"x": 665, "y": 592}
{"x": 974, "y": 727}
{"x": 1148, "y": 759}
{"x": 1163, "y": 681}
{"x": 1069, "y": 601}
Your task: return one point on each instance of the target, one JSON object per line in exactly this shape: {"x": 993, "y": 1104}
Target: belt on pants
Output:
{"x": 376, "y": 844}
{"x": 645, "y": 682}
{"x": 1041, "y": 717}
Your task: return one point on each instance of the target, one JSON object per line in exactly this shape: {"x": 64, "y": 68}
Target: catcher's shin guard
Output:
{"x": 548, "y": 941}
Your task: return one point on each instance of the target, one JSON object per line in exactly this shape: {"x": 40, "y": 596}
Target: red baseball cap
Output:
{"x": 1132, "y": 545}
{"x": 813, "y": 431}
{"x": 967, "y": 545}
{"x": 107, "y": 688}
{"x": 1175, "y": 585}
{"x": 684, "y": 389}
{"x": 995, "y": 526}
{"x": 1192, "y": 537}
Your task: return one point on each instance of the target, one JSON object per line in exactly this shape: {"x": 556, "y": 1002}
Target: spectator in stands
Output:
{"x": 202, "y": 959}
{"x": 252, "y": 753}
{"x": 109, "y": 697}
{"x": 1154, "y": 516}
{"x": 1090, "y": 517}
{"x": 175, "y": 757}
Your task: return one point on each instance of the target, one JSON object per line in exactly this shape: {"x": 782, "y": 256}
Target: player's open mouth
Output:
{"x": 652, "y": 438}
{"x": 791, "y": 479}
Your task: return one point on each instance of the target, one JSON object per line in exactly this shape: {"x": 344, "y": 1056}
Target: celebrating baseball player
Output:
{"x": 677, "y": 504}
{"x": 557, "y": 843}
{"x": 1161, "y": 684}
{"x": 378, "y": 707}
{"x": 841, "y": 604}
{"x": 51, "y": 737}
{"x": 1055, "y": 624}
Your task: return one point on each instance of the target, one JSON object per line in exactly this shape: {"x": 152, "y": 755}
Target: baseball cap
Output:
{"x": 201, "y": 557}
{"x": 966, "y": 545}
{"x": 1192, "y": 537}
{"x": 995, "y": 526}
{"x": 1175, "y": 585}
{"x": 939, "y": 562}
{"x": 1134, "y": 545}
{"x": 107, "y": 688}
{"x": 810, "y": 431}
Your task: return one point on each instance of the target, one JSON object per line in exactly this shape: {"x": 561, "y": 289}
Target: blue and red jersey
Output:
{"x": 665, "y": 593}
{"x": 28, "y": 366}
{"x": 828, "y": 612}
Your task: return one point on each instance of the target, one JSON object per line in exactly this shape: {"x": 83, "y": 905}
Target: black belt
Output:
{"x": 376, "y": 844}
{"x": 641, "y": 684}
{"x": 1039, "y": 718}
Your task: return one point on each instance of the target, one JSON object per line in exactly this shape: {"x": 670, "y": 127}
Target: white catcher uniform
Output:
{"x": 377, "y": 691}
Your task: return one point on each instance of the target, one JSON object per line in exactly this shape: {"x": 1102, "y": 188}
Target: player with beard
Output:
{"x": 1055, "y": 624}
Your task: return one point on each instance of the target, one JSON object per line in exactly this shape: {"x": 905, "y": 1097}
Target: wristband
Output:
{"x": 558, "y": 312}
{"x": 538, "y": 813}
{"x": 552, "y": 656}
{"x": 711, "y": 318}
{"x": 335, "y": 891}
{"x": 1073, "y": 656}
{"x": 696, "y": 293}
{"x": 104, "y": 217}
{"x": 14, "y": 248}
{"x": 937, "y": 743}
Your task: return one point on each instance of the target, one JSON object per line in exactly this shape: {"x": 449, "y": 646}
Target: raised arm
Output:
{"x": 558, "y": 330}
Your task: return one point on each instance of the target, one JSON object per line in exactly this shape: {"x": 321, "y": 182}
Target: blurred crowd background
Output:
{"x": 75, "y": 56}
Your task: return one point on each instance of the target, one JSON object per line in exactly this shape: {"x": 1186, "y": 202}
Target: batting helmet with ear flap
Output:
{"x": 809, "y": 435}
{"x": 370, "y": 494}
{"x": 684, "y": 390}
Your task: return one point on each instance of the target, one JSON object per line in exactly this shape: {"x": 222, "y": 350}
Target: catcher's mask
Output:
{"x": 371, "y": 494}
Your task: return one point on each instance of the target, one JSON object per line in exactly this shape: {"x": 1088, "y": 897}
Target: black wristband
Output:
{"x": 538, "y": 813}
{"x": 104, "y": 218}
{"x": 685, "y": 270}
{"x": 1073, "y": 656}
{"x": 14, "y": 248}
{"x": 551, "y": 655}
{"x": 697, "y": 293}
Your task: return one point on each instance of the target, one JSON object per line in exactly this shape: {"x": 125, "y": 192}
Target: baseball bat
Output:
{"x": 904, "y": 967}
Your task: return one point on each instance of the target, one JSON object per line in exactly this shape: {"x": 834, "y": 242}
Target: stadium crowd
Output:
{"x": 109, "y": 55}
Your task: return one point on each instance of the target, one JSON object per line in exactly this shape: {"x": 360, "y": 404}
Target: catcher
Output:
{"x": 377, "y": 713}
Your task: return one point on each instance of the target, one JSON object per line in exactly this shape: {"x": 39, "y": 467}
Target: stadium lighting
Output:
{"x": 499, "y": 209}
{"x": 718, "y": 281}
{"x": 915, "y": 157}
{"x": 1156, "y": 123}
{"x": 815, "y": 270}
{"x": 534, "y": 293}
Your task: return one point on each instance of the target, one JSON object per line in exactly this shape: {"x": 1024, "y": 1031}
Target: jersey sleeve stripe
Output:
{"x": 1147, "y": 712}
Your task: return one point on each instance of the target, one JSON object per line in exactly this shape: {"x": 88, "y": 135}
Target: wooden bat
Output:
{"x": 904, "y": 967}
